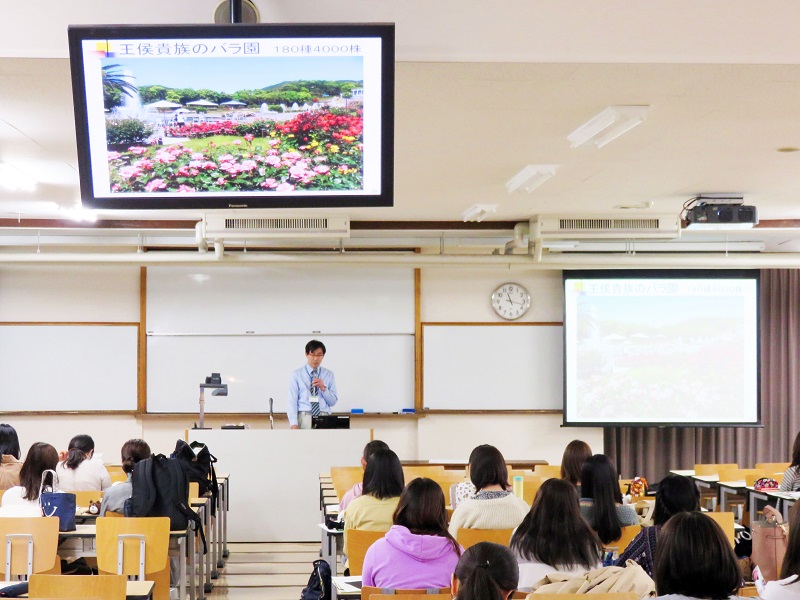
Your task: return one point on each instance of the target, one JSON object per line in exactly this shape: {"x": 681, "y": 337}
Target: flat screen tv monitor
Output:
{"x": 234, "y": 116}
{"x": 661, "y": 348}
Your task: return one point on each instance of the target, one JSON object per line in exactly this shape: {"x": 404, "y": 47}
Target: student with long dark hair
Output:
{"x": 601, "y": 501}
{"x": 554, "y": 537}
{"x": 485, "y": 571}
{"x": 694, "y": 559}
{"x": 791, "y": 478}
{"x": 358, "y": 488}
{"x": 418, "y": 551}
{"x": 10, "y": 455}
{"x": 676, "y": 494}
{"x": 79, "y": 472}
{"x": 41, "y": 457}
{"x": 493, "y": 506}
{"x": 383, "y": 484}
{"x": 576, "y": 453}
{"x": 114, "y": 497}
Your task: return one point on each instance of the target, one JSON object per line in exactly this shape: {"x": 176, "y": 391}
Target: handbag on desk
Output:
{"x": 769, "y": 546}
{"x": 56, "y": 503}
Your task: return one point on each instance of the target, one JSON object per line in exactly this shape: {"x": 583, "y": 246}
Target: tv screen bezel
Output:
{"x": 384, "y": 31}
{"x": 750, "y": 274}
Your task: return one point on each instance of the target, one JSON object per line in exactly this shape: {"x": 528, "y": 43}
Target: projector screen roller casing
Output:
{"x": 661, "y": 348}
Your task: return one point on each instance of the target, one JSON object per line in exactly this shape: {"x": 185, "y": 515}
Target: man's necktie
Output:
{"x": 314, "y": 398}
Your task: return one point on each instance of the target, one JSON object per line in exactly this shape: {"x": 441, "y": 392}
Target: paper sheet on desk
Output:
{"x": 347, "y": 585}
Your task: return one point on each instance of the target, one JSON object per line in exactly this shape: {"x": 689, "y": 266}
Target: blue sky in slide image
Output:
{"x": 660, "y": 311}
{"x": 238, "y": 73}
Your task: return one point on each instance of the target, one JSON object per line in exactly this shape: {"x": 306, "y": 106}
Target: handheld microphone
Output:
{"x": 271, "y": 417}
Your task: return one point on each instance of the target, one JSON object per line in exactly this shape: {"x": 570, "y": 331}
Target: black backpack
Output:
{"x": 200, "y": 468}
{"x": 161, "y": 489}
{"x": 319, "y": 584}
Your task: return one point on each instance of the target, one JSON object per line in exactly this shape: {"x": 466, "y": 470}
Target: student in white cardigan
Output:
{"x": 23, "y": 500}
{"x": 493, "y": 506}
{"x": 80, "y": 470}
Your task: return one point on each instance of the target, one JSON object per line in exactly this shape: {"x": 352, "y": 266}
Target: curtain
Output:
{"x": 652, "y": 451}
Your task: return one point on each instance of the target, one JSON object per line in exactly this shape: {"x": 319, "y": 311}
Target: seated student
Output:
{"x": 791, "y": 478}
{"x": 576, "y": 453}
{"x": 10, "y": 463}
{"x": 417, "y": 552}
{"x": 79, "y": 472}
{"x": 601, "y": 501}
{"x": 356, "y": 490}
{"x": 554, "y": 537}
{"x": 694, "y": 559}
{"x": 493, "y": 506}
{"x": 23, "y": 500}
{"x": 464, "y": 489}
{"x": 675, "y": 494}
{"x": 383, "y": 484}
{"x": 114, "y": 497}
{"x": 486, "y": 571}
{"x": 787, "y": 588}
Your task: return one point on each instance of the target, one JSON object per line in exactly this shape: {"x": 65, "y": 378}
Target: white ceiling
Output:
{"x": 484, "y": 89}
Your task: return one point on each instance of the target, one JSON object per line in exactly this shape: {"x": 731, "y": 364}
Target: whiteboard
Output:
{"x": 492, "y": 367}
{"x": 373, "y": 372}
{"x": 280, "y": 300}
{"x": 69, "y": 367}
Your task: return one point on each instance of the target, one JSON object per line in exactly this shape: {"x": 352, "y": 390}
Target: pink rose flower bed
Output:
{"x": 319, "y": 150}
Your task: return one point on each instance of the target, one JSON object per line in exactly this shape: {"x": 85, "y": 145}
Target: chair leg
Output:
{"x": 161, "y": 579}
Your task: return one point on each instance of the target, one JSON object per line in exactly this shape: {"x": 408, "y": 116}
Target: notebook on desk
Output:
{"x": 330, "y": 422}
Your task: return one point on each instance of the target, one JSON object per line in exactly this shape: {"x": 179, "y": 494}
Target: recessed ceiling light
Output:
{"x": 530, "y": 178}
{"x": 608, "y": 125}
{"x": 788, "y": 149}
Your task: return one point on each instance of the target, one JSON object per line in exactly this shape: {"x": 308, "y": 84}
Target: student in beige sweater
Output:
{"x": 493, "y": 506}
{"x": 383, "y": 484}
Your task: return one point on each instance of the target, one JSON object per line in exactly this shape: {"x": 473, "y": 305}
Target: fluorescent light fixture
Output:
{"x": 530, "y": 178}
{"x": 608, "y": 125}
{"x": 478, "y": 212}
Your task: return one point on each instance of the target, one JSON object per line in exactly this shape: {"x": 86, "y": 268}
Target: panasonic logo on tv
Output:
{"x": 237, "y": 205}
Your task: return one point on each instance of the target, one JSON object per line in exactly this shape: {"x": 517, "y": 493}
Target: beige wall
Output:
{"x": 101, "y": 293}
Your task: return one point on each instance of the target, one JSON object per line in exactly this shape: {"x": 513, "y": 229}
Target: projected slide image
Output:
{"x": 685, "y": 355}
{"x": 217, "y": 125}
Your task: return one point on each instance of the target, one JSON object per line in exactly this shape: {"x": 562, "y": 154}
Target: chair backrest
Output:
{"x": 547, "y": 471}
{"x": 712, "y": 468}
{"x": 36, "y": 534}
{"x": 107, "y": 587}
{"x": 446, "y": 481}
{"x": 628, "y": 533}
{"x": 194, "y": 490}
{"x": 131, "y": 531}
{"x": 358, "y": 542}
{"x": 429, "y": 471}
{"x": 85, "y": 497}
{"x": 469, "y": 537}
{"x": 116, "y": 473}
{"x": 367, "y": 592}
{"x": 530, "y": 485}
{"x": 725, "y": 520}
{"x": 779, "y": 467}
{"x": 344, "y": 478}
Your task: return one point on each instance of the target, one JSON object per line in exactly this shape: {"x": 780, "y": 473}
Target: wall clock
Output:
{"x": 511, "y": 301}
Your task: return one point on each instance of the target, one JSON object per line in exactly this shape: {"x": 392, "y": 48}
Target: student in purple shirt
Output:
{"x": 417, "y": 552}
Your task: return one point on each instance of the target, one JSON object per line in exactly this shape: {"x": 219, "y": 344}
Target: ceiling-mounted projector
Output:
{"x": 716, "y": 213}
